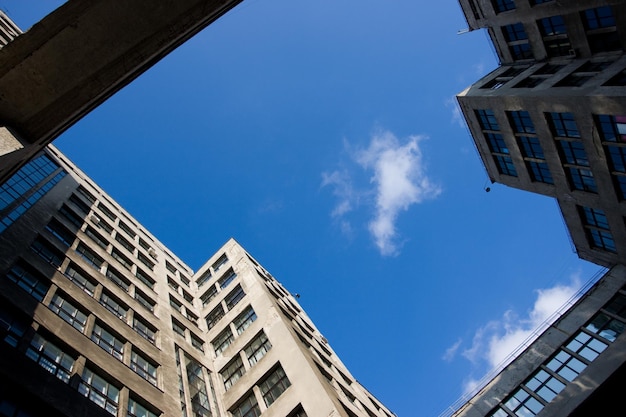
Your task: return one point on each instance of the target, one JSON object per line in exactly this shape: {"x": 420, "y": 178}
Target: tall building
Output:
{"x": 98, "y": 318}
{"x": 551, "y": 118}
{"x": 576, "y": 368}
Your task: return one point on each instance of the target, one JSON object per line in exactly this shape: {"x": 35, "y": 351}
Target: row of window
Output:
{"x": 566, "y": 363}
{"x": 569, "y": 144}
{"x": 252, "y": 353}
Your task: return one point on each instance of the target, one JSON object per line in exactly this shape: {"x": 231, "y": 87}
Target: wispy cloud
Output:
{"x": 455, "y": 110}
{"x": 398, "y": 181}
{"x": 493, "y": 342}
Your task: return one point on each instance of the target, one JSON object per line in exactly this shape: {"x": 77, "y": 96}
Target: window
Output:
{"x": 208, "y": 295}
{"x": 214, "y": 316}
{"x": 540, "y": 172}
{"x": 89, "y": 256}
{"x": 125, "y": 243}
{"x": 60, "y": 232}
{"x": 612, "y": 128}
{"x": 172, "y": 284}
{"x": 244, "y": 320}
{"x": 71, "y": 216}
{"x": 197, "y": 342}
{"x": 126, "y": 263}
{"x": 581, "y": 179}
{"x": 107, "y": 212}
{"x": 96, "y": 237}
{"x": 530, "y": 147}
{"x": 505, "y": 165}
{"x": 113, "y": 306}
{"x": 247, "y": 407}
{"x": 227, "y": 278}
{"x": 178, "y": 328}
{"x": 35, "y": 285}
{"x": 597, "y": 227}
{"x": 107, "y": 341}
{"x": 566, "y": 365}
{"x": 143, "y": 368}
{"x": 144, "y": 331}
{"x": 545, "y": 385}
{"x": 487, "y": 120}
{"x": 144, "y": 260}
{"x": 573, "y": 152}
{"x": 204, "y": 278}
{"x": 601, "y": 31}
{"x": 550, "y": 26}
{"x": 13, "y": 326}
{"x": 47, "y": 252}
{"x": 184, "y": 279}
{"x": 274, "y": 385}
{"x": 232, "y": 372}
{"x": 222, "y": 341}
{"x": 144, "y": 300}
{"x": 99, "y": 390}
{"x": 234, "y": 297}
{"x": 145, "y": 245}
{"x": 496, "y": 143}
{"x": 127, "y": 229}
{"x": 514, "y": 32}
{"x": 26, "y": 179}
{"x": 143, "y": 277}
{"x": 521, "y": 122}
{"x": 221, "y": 261}
{"x": 50, "y": 357}
{"x": 503, "y": 5}
{"x": 299, "y": 412}
{"x": 78, "y": 277}
{"x": 523, "y": 404}
{"x": 79, "y": 203}
{"x": 257, "y": 348}
{"x": 117, "y": 278}
{"x": 563, "y": 125}
{"x": 86, "y": 194}
{"x": 170, "y": 267}
{"x": 137, "y": 410}
{"x": 68, "y": 312}
{"x": 176, "y": 305}
{"x": 618, "y": 80}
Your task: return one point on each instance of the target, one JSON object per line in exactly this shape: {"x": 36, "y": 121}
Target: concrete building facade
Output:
{"x": 97, "y": 317}
{"x": 551, "y": 118}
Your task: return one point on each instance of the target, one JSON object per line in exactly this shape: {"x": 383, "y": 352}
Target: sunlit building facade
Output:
{"x": 98, "y": 318}
{"x": 551, "y": 118}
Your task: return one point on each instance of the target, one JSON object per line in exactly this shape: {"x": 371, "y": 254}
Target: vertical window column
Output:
{"x": 497, "y": 146}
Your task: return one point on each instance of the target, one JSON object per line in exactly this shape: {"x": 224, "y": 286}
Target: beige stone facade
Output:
{"x": 100, "y": 318}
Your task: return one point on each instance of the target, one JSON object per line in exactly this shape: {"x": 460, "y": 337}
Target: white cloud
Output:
{"x": 493, "y": 342}
{"x": 451, "y": 351}
{"x": 398, "y": 181}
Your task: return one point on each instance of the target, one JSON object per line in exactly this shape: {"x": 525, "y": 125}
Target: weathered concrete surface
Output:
{"x": 81, "y": 54}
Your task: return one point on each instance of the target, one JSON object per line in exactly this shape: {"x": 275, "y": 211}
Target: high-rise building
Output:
{"x": 551, "y": 118}
{"x": 576, "y": 368}
{"x": 97, "y": 317}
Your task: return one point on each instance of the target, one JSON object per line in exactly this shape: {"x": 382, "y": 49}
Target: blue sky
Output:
{"x": 323, "y": 136}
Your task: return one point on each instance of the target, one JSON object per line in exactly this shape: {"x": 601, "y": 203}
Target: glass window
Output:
{"x": 244, "y": 320}
{"x": 113, "y": 306}
{"x": 68, "y": 312}
{"x": 247, "y": 407}
{"x": 234, "y": 297}
{"x": 612, "y": 128}
{"x": 107, "y": 212}
{"x": 521, "y": 122}
{"x": 600, "y": 17}
{"x": 47, "y": 252}
{"x": 80, "y": 204}
{"x": 107, "y": 341}
{"x": 204, "y": 278}
{"x": 126, "y": 228}
{"x": 503, "y": 5}
{"x": 232, "y": 372}
{"x": 530, "y": 147}
{"x": 566, "y": 365}
{"x": 176, "y": 305}
{"x": 550, "y": 26}
{"x": 573, "y": 152}
{"x": 197, "y": 342}
{"x": 606, "y": 326}
{"x": 96, "y": 237}
{"x": 273, "y": 385}
{"x": 540, "y": 172}
{"x": 545, "y": 385}
{"x": 221, "y": 261}
{"x": 226, "y": 279}
{"x": 80, "y": 278}
{"x": 50, "y": 357}
{"x": 72, "y": 217}
{"x": 27, "y": 178}
{"x": 117, "y": 278}
{"x": 35, "y": 285}
{"x": 60, "y": 232}
{"x": 144, "y": 300}
{"x": 89, "y": 256}
{"x": 178, "y": 328}
{"x": 208, "y": 295}
{"x": 144, "y": 260}
{"x": 616, "y": 157}
{"x": 505, "y": 165}
{"x": 257, "y": 348}
{"x": 496, "y": 143}
{"x": 125, "y": 243}
{"x": 143, "y": 277}
{"x": 13, "y": 325}
{"x": 487, "y": 119}
{"x": 581, "y": 179}
{"x": 137, "y": 410}
{"x": 170, "y": 267}
{"x": 521, "y": 51}
{"x": 126, "y": 263}
{"x": 563, "y": 125}
{"x": 144, "y": 331}
{"x": 523, "y": 404}
{"x": 514, "y": 32}
{"x": 223, "y": 340}
{"x": 586, "y": 346}
{"x": 143, "y": 368}
{"x": 214, "y": 316}
{"x": 99, "y": 390}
